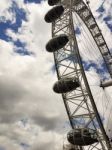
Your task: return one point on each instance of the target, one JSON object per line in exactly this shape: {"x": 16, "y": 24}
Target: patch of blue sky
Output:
{"x": 78, "y": 121}
{"x": 20, "y": 48}
{"x": 77, "y": 31}
{"x": 101, "y": 9}
{"x": 108, "y": 21}
{"x": 32, "y": 1}
{"x": 81, "y": 122}
{"x": 19, "y": 15}
{"x": 3, "y": 27}
{"x": 23, "y": 52}
{"x": 100, "y": 70}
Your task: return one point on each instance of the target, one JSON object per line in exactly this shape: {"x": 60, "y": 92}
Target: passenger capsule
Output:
{"x": 65, "y": 85}
{"x": 54, "y": 14}
{"x": 53, "y": 2}
{"x": 57, "y": 43}
{"x": 82, "y": 137}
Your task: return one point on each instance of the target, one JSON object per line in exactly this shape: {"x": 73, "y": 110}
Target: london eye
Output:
{"x": 74, "y": 29}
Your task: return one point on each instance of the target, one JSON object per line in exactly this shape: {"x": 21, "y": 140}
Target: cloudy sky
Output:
{"x": 32, "y": 117}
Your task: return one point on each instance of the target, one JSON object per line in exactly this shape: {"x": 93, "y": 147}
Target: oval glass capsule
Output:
{"x": 65, "y": 85}
{"x": 54, "y": 14}
{"x": 57, "y": 43}
{"x": 53, "y": 2}
{"x": 82, "y": 137}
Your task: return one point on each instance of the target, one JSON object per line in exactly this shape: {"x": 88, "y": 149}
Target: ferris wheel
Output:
{"x": 74, "y": 29}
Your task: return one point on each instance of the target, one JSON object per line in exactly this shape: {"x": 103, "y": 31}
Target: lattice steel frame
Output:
{"x": 80, "y": 103}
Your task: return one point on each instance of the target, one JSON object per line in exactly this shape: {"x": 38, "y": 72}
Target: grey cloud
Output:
{"x": 47, "y": 123}
{"x": 48, "y": 146}
{"x": 10, "y": 91}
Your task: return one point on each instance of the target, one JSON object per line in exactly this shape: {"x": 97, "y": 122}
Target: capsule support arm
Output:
{"x": 106, "y": 84}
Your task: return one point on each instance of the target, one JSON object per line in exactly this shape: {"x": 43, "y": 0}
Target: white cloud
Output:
{"x": 5, "y": 14}
{"x": 25, "y": 87}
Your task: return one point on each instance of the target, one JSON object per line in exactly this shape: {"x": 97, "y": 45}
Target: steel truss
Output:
{"x": 79, "y": 104}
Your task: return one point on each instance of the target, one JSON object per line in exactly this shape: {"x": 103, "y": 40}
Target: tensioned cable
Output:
{"x": 83, "y": 24}
{"x": 89, "y": 46}
{"x": 85, "y": 45}
{"x": 89, "y": 39}
{"x": 110, "y": 112}
{"x": 104, "y": 106}
{"x": 93, "y": 53}
{"x": 103, "y": 99}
